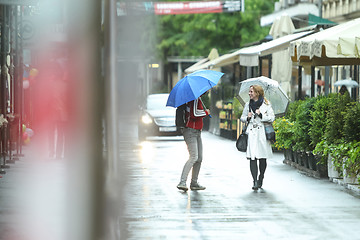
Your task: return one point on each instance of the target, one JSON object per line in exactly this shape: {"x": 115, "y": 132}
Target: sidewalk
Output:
{"x": 353, "y": 188}
{"x": 288, "y": 204}
{"x": 32, "y": 199}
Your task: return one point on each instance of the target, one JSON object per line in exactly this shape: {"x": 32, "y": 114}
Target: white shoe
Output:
{"x": 182, "y": 186}
{"x": 196, "y": 186}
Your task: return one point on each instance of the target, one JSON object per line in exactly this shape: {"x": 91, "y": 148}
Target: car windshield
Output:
{"x": 156, "y": 102}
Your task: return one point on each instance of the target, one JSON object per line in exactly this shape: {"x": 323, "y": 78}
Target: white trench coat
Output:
{"x": 258, "y": 147}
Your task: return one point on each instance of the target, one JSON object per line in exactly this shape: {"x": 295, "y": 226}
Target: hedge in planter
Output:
{"x": 341, "y": 137}
{"x": 334, "y": 130}
{"x": 284, "y": 130}
{"x": 352, "y": 123}
{"x": 291, "y": 111}
{"x": 319, "y": 115}
{"x": 302, "y": 125}
{"x": 352, "y": 136}
{"x": 351, "y": 163}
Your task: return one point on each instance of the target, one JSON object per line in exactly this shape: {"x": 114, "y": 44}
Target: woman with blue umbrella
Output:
{"x": 189, "y": 91}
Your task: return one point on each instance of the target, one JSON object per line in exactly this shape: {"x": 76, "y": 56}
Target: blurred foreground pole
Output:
{"x": 86, "y": 171}
{"x": 110, "y": 36}
{"x": 113, "y": 223}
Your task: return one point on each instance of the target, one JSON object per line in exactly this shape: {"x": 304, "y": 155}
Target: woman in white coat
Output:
{"x": 257, "y": 112}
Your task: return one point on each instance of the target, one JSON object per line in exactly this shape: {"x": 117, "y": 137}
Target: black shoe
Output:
{"x": 260, "y": 181}
{"x": 256, "y": 186}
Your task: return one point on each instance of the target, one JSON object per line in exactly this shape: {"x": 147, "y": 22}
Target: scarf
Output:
{"x": 256, "y": 104}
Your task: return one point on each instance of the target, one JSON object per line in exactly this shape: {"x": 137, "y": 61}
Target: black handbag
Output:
{"x": 242, "y": 141}
{"x": 269, "y": 132}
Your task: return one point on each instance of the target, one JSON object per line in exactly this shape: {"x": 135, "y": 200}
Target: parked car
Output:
{"x": 156, "y": 119}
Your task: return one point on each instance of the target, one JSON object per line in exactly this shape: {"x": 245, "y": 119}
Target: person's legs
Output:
{"x": 254, "y": 172}
{"x": 197, "y": 164}
{"x": 262, "y": 167}
{"x": 191, "y": 142}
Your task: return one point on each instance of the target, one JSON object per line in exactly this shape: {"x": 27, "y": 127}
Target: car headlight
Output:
{"x": 146, "y": 119}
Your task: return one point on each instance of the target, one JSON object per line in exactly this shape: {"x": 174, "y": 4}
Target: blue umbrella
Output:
{"x": 193, "y": 86}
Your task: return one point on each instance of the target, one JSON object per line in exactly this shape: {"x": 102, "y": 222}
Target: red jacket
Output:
{"x": 195, "y": 113}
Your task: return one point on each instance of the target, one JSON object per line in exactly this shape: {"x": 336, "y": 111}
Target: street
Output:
{"x": 148, "y": 205}
{"x": 290, "y": 205}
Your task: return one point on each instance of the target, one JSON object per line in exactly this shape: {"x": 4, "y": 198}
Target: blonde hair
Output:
{"x": 259, "y": 91}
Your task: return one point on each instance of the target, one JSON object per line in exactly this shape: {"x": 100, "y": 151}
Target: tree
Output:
{"x": 196, "y": 34}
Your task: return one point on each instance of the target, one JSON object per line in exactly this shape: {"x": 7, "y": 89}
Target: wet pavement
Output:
{"x": 290, "y": 205}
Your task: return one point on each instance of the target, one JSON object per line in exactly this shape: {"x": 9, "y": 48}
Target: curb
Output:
{"x": 304, "y": 170}
{"x": 355, "y": 188}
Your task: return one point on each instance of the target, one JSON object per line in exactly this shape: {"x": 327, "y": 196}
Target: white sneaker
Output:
{"x": 182, "y": 186}
{"x": 196, "y": 186}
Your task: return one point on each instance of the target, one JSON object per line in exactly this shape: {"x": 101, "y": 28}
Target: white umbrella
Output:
{"x": 281, "y": 61}
{"x": 347, "y": 83}
{"x": 282, "y": 26}
{"x": 272, "y": 90}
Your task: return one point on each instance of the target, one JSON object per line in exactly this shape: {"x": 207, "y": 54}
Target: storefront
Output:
{"x": 333, "y": 53}
{"x": 240, "y": 65}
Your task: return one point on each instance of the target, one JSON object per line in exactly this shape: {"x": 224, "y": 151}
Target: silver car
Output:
{"x": 156, "y": 119}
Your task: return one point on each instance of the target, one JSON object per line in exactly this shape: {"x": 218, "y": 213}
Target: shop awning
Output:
{"x": 195, "y": 66}
{"x": 198, "y": 65}
{"x": 223, "y": 60}
{"x": 312, "y": 20}
{"x": 250, "y": 56}
{"x": 334, "y": 46}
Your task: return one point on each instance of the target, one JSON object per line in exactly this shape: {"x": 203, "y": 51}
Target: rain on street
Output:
{"x": 290, "y": 205}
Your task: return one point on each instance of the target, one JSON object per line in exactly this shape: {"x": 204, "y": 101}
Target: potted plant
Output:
{"x": 335, "y": 118}
{"x": 302, "y": 126}
{"x": 351, "y": 164}
{"x": 316, "y": 131}
{"x": 291, "y": 112}
{"x": 238, "y": 108}
{"x": 284, "y": 130}
{"x": 288, "y": 136}
{"x": 352, "y": 123}
{"x": 334, "y": 133}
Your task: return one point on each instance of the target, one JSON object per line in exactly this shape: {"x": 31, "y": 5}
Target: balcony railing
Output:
{"x": 337, "y": 9}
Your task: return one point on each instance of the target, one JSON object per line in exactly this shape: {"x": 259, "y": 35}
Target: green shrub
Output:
{"x": 345, "y": 155}
{"x": 352, "y": 123}
{"x": 284, "y": 130}
{"x": 238, "y": 108}
{"x": 302, "y": 125}
{"x": 318, "y": 120}
{"x": 334, "y": 130}
{"x": 352, "y": 163}
{"x": 291, "y": 111}
{"x": 322, "y": 149}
